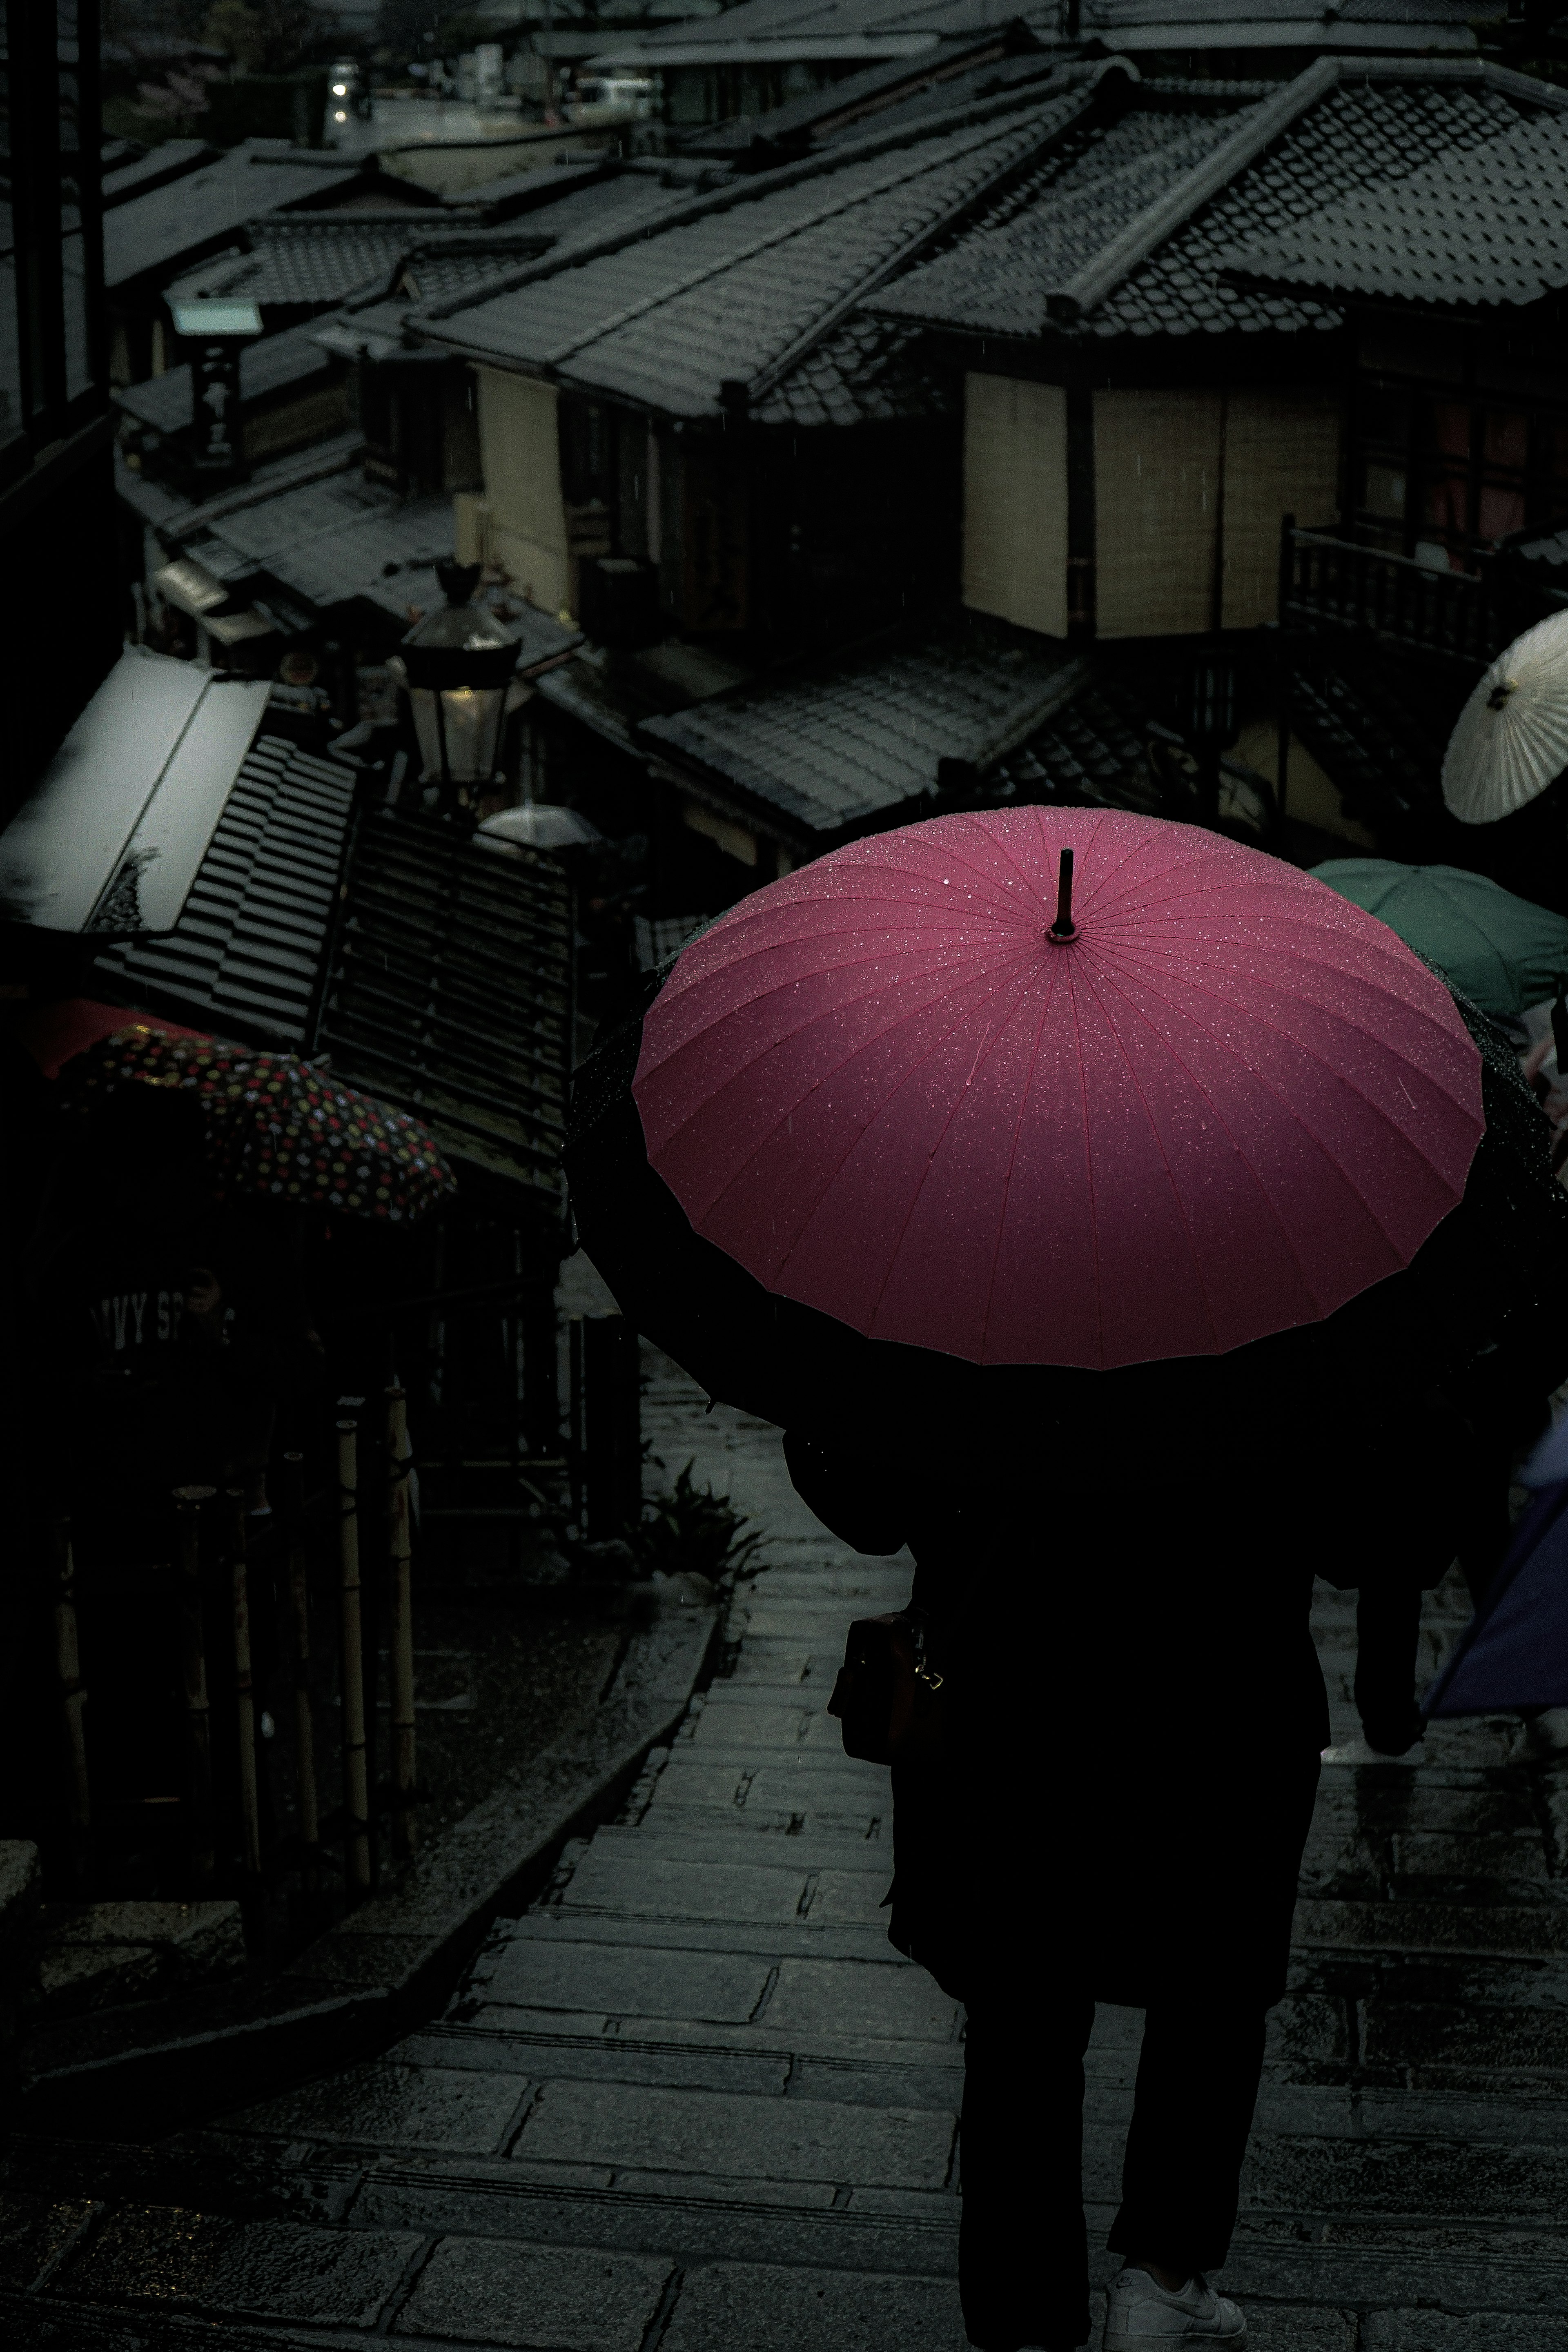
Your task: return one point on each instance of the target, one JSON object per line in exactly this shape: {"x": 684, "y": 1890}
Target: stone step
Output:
{"x": 770, "y": 1889}
{"x": 728, "y": 1836}
{"x": 543, "y": 2045}
{"x": 730, "y": 2217}
{"x": 1502, "y": 1930}
{"x": 794, "y": 1940}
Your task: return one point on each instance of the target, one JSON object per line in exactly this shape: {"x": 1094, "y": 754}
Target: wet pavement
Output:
{"x": 693, "y": 2100}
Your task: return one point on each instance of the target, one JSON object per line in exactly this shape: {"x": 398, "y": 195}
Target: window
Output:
{"x": 53, "y": 371}
{"x": 1447, "y": 478}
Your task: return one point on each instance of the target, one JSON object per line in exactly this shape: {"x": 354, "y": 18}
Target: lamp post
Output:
{"x": 457, "y": 666}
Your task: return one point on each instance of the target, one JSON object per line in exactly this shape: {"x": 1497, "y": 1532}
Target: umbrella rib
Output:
{"x": 930, "y": 1157}
{"x": 751, "y": 955}
{"x": 1269, "y": 1088}
{"x": 865, "y": 1124}
{"x": 1164, "y": 1155}
{"x": 1089, "y": 1170}
{"x": 1230, "y": 1005}
{"x": 1024, "y": 1093}
{"x": 814, "y": 1013}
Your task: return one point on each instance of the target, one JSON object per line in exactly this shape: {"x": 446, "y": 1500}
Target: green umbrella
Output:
{"x": 1503, "y": 952}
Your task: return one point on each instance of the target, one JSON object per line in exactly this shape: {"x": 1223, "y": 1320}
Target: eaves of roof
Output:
{"x": 157, "y": 232}
{"x": 315, "y": 465}
{"x": 441, "y": 322}
{"x": 1073, "y": 300}
{"x": 785, "y": 49}
{"x": 801, "y": 119}
{"x": 1292, "y": 32}
{"x": 840, "y": 745}
{"x": 1472, "y": 230}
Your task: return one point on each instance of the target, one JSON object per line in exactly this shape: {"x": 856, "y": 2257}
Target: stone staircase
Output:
{"x": 694, "y": 2101}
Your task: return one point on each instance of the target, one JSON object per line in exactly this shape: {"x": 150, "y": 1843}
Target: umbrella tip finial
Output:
{"x": 1064, "y": 928}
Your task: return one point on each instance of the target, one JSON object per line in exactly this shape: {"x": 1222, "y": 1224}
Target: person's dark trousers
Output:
{"x": 1388, "y": 1634}
{"x": 1197, "y": 2086}
{"x": 1023, "y": 2266}
{"x": 1022, "y": 2257}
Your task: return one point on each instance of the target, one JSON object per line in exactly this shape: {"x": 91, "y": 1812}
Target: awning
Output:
{"x": 111, "y": 840}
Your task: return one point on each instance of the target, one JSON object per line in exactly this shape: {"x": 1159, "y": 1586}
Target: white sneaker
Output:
{"x": 1550, "y": 1727}
{"x": 1356, "y": 1751}
{"x": 1138, "y": 2312}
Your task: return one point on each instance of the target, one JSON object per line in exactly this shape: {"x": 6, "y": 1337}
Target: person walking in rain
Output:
{"x": 1083, "y": 1196}
{"x": 1078, "y": 1831}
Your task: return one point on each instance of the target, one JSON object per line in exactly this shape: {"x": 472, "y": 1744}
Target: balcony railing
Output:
{"x": 1460, "y": 617}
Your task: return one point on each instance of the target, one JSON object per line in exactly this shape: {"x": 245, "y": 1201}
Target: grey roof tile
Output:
{"x": 334, "y": 539}
{"x": 156, "y": 231}
{"x": 1480, "y": 225}
{"x": 245, "y": 951}
{"x": 170, "y": 160}
{"x": 1379, "y": 127}
{"x": 785, "y": 28}
{"x": 996, "y": 276}
{"x": 842, "y": 744}
{"x": 666, "y": 319}
{"x": 314, "y": 260}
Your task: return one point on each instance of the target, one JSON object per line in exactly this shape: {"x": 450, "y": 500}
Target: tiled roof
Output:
{"x": 1479, "y": 225}
{"x": 156, "y": 232}
{"x": 333, "y": 540}
{"x": 1066, "y": 219}
{"x": 749, "y": 279}
{"x": 1106, "y": 269}
{"x": 900, "y": 90}
{"x": 1093, "y": 752}
{"x": 327, "y": 537}
{"x": 245, "y": 954}
{"x": 442, "y": 266}
{"x": 268, "y": 365}
{"x": 784, "y": 29}
{"x": 161, "y": 164}
{"x": 842, "y": 744}
{"x": 868, "y": 372}
{"x": 1254, "y": 24}
{"x": 314, "y": 260}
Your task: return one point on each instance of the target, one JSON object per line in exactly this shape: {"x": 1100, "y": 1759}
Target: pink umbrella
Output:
{"x": 926, "y": 1087}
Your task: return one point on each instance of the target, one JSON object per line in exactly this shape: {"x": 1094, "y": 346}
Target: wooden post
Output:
{"x": 1283, "y": 684}
{"x": 243, "y": 1696}
{"x": 575, "y": 1462}
{"x": 356, "y": 1791}
{"x": 401, "y": 1611}
{"x": 299, "y": 1617}
{"x": 73, "y": 1697}
{"x": 612, "y": 1367}
{"x": 188, "y": 1501}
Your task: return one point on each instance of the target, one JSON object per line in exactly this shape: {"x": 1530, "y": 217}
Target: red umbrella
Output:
{"x": 276, "y": 1125}
{"x": 1215, "y": 1101}
{"x": 54, "y": 1033}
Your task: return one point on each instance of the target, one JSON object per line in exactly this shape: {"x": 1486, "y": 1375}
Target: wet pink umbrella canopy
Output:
{"x": 1226, "y": 1105}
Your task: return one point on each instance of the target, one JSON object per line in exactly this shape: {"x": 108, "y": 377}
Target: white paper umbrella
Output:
{"x": 541, "y": 826}
{"x": 1511, "y": 737}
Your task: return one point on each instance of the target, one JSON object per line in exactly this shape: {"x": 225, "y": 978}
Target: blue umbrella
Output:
{"x": 1514, "y": 1651}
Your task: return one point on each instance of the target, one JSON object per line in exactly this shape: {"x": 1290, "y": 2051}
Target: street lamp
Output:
{"x": 457, "y": 666}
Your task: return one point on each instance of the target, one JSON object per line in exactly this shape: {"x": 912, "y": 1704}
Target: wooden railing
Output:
{"x": 1327, "y": 582}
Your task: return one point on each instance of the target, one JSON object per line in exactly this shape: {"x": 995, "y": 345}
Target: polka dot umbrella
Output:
{"x": 276, "y": 1127}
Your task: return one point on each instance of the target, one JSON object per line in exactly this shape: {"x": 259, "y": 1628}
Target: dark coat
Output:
{"x": 1132, "y": 1749}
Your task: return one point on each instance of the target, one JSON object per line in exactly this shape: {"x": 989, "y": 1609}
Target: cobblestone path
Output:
{"x": 693, "y": 2101}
